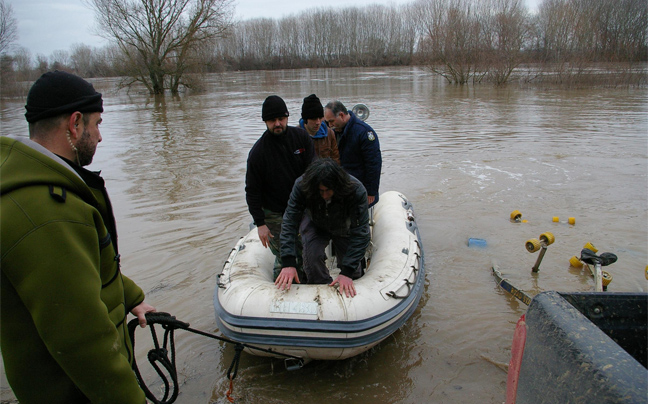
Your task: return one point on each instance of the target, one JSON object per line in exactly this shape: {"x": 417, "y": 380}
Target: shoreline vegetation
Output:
{"x": 569, "y": 43}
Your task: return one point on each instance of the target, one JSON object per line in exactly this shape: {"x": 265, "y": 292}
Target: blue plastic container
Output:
{"x": 476, "y": 242}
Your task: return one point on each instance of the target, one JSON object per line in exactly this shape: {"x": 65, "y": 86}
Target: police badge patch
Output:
{"x": 371, "y": 136}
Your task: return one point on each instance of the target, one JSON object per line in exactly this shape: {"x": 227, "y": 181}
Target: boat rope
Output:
{"x": 234, "y": 365}
{"x": 159, "y": 355}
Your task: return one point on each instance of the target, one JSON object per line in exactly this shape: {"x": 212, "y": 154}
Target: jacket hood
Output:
{"x": 322, "y": 132}
{"x": 24, "y": 163}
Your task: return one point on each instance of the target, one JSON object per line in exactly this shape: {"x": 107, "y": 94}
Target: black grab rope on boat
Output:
{"x": 161, "y": 354}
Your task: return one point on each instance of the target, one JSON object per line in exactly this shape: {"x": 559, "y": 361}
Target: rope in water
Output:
{"x": 159, "y": 355}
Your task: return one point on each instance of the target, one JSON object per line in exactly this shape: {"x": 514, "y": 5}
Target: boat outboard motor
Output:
{"x": 601, "y": 278}
{"x": 590, "y": 257}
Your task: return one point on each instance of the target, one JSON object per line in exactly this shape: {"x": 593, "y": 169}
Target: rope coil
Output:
{"x": 159, "y": 355}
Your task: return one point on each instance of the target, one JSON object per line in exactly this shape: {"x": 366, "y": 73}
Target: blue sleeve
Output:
{"x": 370, "y": 147}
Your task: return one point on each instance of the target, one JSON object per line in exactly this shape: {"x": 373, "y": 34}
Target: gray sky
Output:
{"x": 45, "y": 26}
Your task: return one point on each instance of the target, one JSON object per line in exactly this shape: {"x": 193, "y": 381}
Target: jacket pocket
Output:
{"x": 109, "y": 261}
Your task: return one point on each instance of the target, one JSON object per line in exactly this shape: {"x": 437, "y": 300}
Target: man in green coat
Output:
{"x": 63, "y": 299}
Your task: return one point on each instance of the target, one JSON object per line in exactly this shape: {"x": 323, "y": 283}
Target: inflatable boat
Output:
{"x": 316, "y": 321}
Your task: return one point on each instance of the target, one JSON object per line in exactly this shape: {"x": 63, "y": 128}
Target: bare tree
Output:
{"x": 572, "y": 34}
{"x": 82, "y": 58}
{"x": 8, "y": 26}
{"x": 23, "y": 61}
{"x": 505, "y": 30}
{"x": 42, "y": 66}
{"x": 617, "y": 29}
{"x": 160, "y": 39}
{"x": 60, "y": 60}
{"x": 452, "y": 39}
{"x": 370, "y": 36}
{"x": 290, "y": 34}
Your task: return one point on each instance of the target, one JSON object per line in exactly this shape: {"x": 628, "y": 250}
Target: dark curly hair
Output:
{"x": 328, "y": 173}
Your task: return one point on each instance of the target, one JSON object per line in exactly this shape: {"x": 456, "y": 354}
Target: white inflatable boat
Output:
{"x": 316, "y": 321}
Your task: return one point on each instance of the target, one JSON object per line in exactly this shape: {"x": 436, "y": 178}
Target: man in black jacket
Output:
{"x": 326, "y": 204}
{"x": 275, "y": 161}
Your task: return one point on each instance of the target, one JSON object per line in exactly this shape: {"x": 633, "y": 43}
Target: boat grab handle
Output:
{"x": 418, "y": 259}
{"x": 409, "y": 291}
{"x": 407, "y": 282}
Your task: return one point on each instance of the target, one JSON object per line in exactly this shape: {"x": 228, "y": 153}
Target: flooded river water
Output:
{"x": 464, "y": 156}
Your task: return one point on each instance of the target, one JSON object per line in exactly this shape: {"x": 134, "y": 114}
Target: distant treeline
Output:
{"x": 429, "y": 31}
{"x": 462, "y": 40}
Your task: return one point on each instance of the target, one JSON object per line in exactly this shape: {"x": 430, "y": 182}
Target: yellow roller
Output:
{"x": 547, "y": 238}
{"x": 533, "y": 245}
{"x": 606, "y": 278}
{"x": 576, "y": 262}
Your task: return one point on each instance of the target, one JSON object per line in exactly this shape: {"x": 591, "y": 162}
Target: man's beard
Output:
{"x": 85, "y": 149}
{"x": 282, "y": 130}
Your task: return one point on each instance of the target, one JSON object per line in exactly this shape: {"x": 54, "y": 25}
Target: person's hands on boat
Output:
{"x": 346, "y": 285}
{"x": 140, "y": 311}
{"x": 264, "y": 235}
{"x": 286, "y": 277}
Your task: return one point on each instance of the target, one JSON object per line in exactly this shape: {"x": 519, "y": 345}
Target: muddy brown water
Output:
{"x": 464, "y": 156}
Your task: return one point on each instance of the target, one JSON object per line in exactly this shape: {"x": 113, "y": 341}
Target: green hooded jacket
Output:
{"x": 63, "y": 299}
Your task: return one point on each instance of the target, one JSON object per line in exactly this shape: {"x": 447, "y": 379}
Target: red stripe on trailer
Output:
{"x": 517, "y": 351}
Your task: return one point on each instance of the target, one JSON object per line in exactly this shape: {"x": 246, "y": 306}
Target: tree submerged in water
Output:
{"x": 161, "y": 41}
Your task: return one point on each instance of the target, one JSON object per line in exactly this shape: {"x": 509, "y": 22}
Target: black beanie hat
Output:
{"x": 273, "y": 107}
{"x": 312, "y": 108}
{"x": 57, "y": 93}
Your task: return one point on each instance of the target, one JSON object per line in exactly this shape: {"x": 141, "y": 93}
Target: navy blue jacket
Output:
{"x": 360, "y": 153}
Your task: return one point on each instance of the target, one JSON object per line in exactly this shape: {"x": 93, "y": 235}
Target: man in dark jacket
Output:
{"x": 64, "y": 300}
{"x": 358, "y": 146}
{"x": 275, "y": 161}
{"x": 326, "y": 204}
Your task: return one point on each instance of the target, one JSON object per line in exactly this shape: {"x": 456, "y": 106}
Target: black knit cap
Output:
{"x": 274, "y": 107}
{"x": 312, "y": 108}
{"x": 57, "y": 93}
